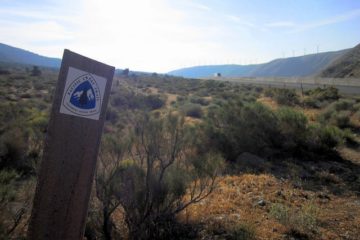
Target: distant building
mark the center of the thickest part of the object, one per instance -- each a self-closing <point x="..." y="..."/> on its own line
<point x="217" y="74"/>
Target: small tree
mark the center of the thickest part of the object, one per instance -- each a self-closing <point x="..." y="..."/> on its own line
<point x="112" y="155"/>
<point x="125" y="72"/>
<point x="161" y="175"/>
<point x="36" y="71"/>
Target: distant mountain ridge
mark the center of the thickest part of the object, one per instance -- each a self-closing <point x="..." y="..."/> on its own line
<point x="9" y="54"/>
<point x="346" y="66"/>
<point x="302" y="66"/>
<point x="343" y="63"/>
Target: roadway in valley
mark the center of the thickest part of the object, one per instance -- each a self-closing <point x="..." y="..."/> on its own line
<point x="348" y="86"/>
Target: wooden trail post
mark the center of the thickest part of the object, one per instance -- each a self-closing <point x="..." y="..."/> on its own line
<point x="71" y="147"/>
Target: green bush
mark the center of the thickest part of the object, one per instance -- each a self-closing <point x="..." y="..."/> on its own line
<point x="242" y="232"/>
<point x="7" y="189"/>
<point x="199" y="100"/>
<point x="36" y="71"/>
<point x="7" y="196"/>
<point x="192" y="110"/>
<point x="126" y="99"/>
<point x="293" y="127"/>
<point x="269" y="92"/>
<point x="342" y="119"/>
<point x="237" y="127"/>
<point x="112" y="115"/>
<point x="312" y="102"/>
<point x="303" y="220"/>
<point x="344" y="104"/>
<point x="154" y="102"/>
<point x="324" y="137"/>
<point x="286" y="96"/>
<point x="151" y="181"/>
<point x="337" y="114"/>
<point x="13" y="150"/>
<point x="321" y="94"/>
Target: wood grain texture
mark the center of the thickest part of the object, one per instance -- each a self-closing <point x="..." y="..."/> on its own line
<point x="69" y="160"/>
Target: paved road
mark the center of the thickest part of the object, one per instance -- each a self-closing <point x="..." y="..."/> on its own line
<point x="345" y="86"/>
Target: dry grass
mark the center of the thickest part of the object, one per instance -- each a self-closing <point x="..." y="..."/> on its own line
<point x="236" y="201"/>
<point x="350" y="154"/>
<point x="268" y="101"/>
<point x="310" y="113"/>
<point x="170" y="98"/>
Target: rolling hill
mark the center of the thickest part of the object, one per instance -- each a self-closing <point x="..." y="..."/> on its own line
<point x="343" y="63"/>
<point x="346" y="66"/>
<point x="9" y="54"/>
<point x="285" y="67"/>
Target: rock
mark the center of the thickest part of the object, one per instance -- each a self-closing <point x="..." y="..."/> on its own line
<point x="261" y="203"/>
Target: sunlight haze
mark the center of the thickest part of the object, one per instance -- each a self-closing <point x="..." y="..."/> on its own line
<point x="163" y="35"/>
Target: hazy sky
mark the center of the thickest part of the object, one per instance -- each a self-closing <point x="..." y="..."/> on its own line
<point x="162" y="35"/>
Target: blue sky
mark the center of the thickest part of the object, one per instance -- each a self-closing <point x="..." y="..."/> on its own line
<point x="162" y="35"/>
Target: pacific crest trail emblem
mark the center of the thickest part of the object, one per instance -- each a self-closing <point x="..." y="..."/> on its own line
<point x="82" y="96"/>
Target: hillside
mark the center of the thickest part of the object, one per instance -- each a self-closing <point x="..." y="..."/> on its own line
<point x="9" y="54"/>
<point x="346" y="66"/>
<point x="209" y="71"/>
<point x="297" y="66"/>
<point x="286" y="67"/>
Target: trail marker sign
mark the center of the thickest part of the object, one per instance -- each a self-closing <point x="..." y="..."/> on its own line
<point x="83" y="94"/>
<point x="71" y="147"/>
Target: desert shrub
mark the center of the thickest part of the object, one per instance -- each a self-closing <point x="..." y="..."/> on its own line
<point x="36" y="71"/>
<point x="356" y="107"/>
<point x="237" y="127"/>
<point x="293" y="127"/>
<point x="259" y="89"/>
<point x="181" y="98"/>
<point x="39" y="85"/>
<point x="154" y="102"/>
<point x="321" y="94"/>
<point x="286" y="96"/>
<point x="331" y="136"/>
<point x="126" y="99"/>
<point x="242" y="232"/>
<point x="344" y="104"/>
<point x="7" y="195"/>
<point x="12" y="218"/>
<point x="326" y="115"/>
<point x="7" y="190"/>
<point x="312" y="102"/>
<point x="4" y="72"/>
<point x="240" y="127"/>
<point x="269" y="92"/>
<point x="324" y="137"/>
<point x="320" y="97"/>
<point x="112" y="115"/>
<point x="149" y="174"/>
<point x="192" y="110"/>
<point x="280" y="212"/>
<point x="25" y="95"/>
<point x="357" y="114"/>
<point x="336" y="114"/>
<point x="342" y="119"/>
<point x="303" y="220"/>
<point x="199" y="100"/>
<point x="12" y="150"/>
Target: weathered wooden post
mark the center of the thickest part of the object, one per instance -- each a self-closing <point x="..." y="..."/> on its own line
<point x="71" y="147"/>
